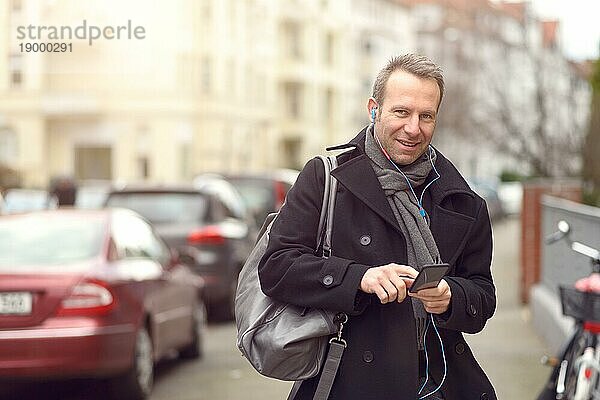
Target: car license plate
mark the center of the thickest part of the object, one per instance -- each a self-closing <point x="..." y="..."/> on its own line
<point x="15" y="303"/>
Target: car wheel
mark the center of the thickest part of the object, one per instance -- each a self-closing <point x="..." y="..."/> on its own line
<point x="136" y="384"/>
<point x="195" y="349"/>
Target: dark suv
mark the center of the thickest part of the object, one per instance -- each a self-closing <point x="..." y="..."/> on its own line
<point x="212" y="235"/>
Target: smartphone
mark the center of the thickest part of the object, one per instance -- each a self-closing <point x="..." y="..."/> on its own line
<point x="429" y="276"/>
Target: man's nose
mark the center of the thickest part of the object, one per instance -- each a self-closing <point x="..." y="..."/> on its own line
<point x="412" y="125"/>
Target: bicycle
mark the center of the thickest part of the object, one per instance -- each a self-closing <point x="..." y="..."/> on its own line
<point x="576" y="371"/>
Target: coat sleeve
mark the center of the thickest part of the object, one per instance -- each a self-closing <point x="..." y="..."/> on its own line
<point x="290" y="271"/>
<point x="473" y="292"/>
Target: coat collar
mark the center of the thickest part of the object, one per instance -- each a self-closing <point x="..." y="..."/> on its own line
<point x="450" y="182"/>
<point x="357" y="176"/>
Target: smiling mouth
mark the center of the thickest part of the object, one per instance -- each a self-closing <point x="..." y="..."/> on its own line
<point x="407" y="144"/>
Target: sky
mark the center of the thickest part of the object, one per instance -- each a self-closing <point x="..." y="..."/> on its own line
<point x="580" y="25"/>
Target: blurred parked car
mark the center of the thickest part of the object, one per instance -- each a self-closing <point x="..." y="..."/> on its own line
<point x="490" y="195"/>
<point x="264" y="193"/>
<point x="93" y="294"/>
<point x="511" y="196"/>
<point x="220" y="187"/>
<point x="24" y="200"/>
<point x="215" y="237"/>
<point x="92" y="194"/>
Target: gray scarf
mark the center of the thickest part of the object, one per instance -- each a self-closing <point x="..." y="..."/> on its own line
<point x="420" y="244"/>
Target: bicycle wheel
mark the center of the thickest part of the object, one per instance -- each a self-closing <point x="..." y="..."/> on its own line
<point x="555" y="386"/>
<point x="572" y="391"/>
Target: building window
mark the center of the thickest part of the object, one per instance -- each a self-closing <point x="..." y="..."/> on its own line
<point x="9" y="147"/>
<point x="205" y="75"/>
<point x="16" y="5"/>
<point x="93" y="163"/>
<point x="206" y="12"/>
<point x="329" y="105"/>
<point x="230" y="79"/>
<point x="186" y="160"/>
<point x="15" y="66"/>
<point x="367" y="47"/>
<point x="292" y="40"/>
<point x="184" y="135"/>
<point x="291" y="149"/>
<point x="292" y="94"/>
<point x="143" y="167"/>
<point x="329" y="49"/>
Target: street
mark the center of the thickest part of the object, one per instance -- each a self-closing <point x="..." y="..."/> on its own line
<point x="507" y="349"/>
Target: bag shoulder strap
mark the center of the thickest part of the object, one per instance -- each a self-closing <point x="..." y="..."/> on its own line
<point x="328" y="205"/>
<point x="326" y="215"/>
<point x="336" y="347"/>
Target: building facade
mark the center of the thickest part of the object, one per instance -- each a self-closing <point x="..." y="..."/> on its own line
<point x="250" y="85"/>
<point x="214" y="85"/>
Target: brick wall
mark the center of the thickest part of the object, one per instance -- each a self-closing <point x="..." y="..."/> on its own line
<point x="531" y="216"/>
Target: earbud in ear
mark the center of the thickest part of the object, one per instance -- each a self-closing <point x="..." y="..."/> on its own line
<point x="373" y="112"/>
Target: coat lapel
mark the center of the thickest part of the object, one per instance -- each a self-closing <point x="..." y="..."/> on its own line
<point x="449" y="227"/>
<point x="358" y="177"/>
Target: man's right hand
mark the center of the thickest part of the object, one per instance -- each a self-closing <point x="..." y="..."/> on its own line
<point x="386" y="281"/>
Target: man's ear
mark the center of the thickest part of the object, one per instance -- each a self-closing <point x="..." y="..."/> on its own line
<point x="372" y="108"/>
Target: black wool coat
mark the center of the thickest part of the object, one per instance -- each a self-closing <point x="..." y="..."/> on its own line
<point x="381" y="360"/>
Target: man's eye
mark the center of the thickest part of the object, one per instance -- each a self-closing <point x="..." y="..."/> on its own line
<point x="426" y="116"/>
<point x="401" y="113"/>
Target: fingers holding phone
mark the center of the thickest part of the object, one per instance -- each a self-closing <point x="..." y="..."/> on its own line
<point x="436" y="300"/>
<point x="430" y="287"/>
<point x="386" y="282"/>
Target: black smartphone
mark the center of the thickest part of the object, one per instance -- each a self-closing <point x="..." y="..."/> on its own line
<point x="429" y="277"/>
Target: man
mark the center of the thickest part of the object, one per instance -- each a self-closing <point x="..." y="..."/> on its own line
<point x="400" y="205"/>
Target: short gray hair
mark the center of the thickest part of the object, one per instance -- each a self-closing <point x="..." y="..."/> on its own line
<point x="414" y="64"/>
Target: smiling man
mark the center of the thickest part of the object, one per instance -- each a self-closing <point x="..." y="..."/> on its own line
<point x="401" y="206"/>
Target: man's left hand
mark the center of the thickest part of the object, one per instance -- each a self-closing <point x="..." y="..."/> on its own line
<point x="436" y="300"/>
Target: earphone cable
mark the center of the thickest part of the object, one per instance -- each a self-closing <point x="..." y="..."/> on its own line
<point x="427" y="362"/>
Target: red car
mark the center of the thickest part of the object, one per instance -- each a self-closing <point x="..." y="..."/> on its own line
<point x="93" y="294"/>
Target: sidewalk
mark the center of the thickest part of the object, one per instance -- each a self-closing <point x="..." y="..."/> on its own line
<point x="508" y="349"/>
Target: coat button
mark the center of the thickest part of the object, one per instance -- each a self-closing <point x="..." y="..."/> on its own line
<point x="365" y="240"/>
<point x="459" y="348"/>
<point x="484" y="396"/>
<point x="368" y="356"/>
<point x="473" y="310"/>
<point x="327" y="280"/>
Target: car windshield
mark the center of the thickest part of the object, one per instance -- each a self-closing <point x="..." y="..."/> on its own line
<point x="163" y="207"/>
<point x="45" y="240"/>
<point x="20" y="201"/>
